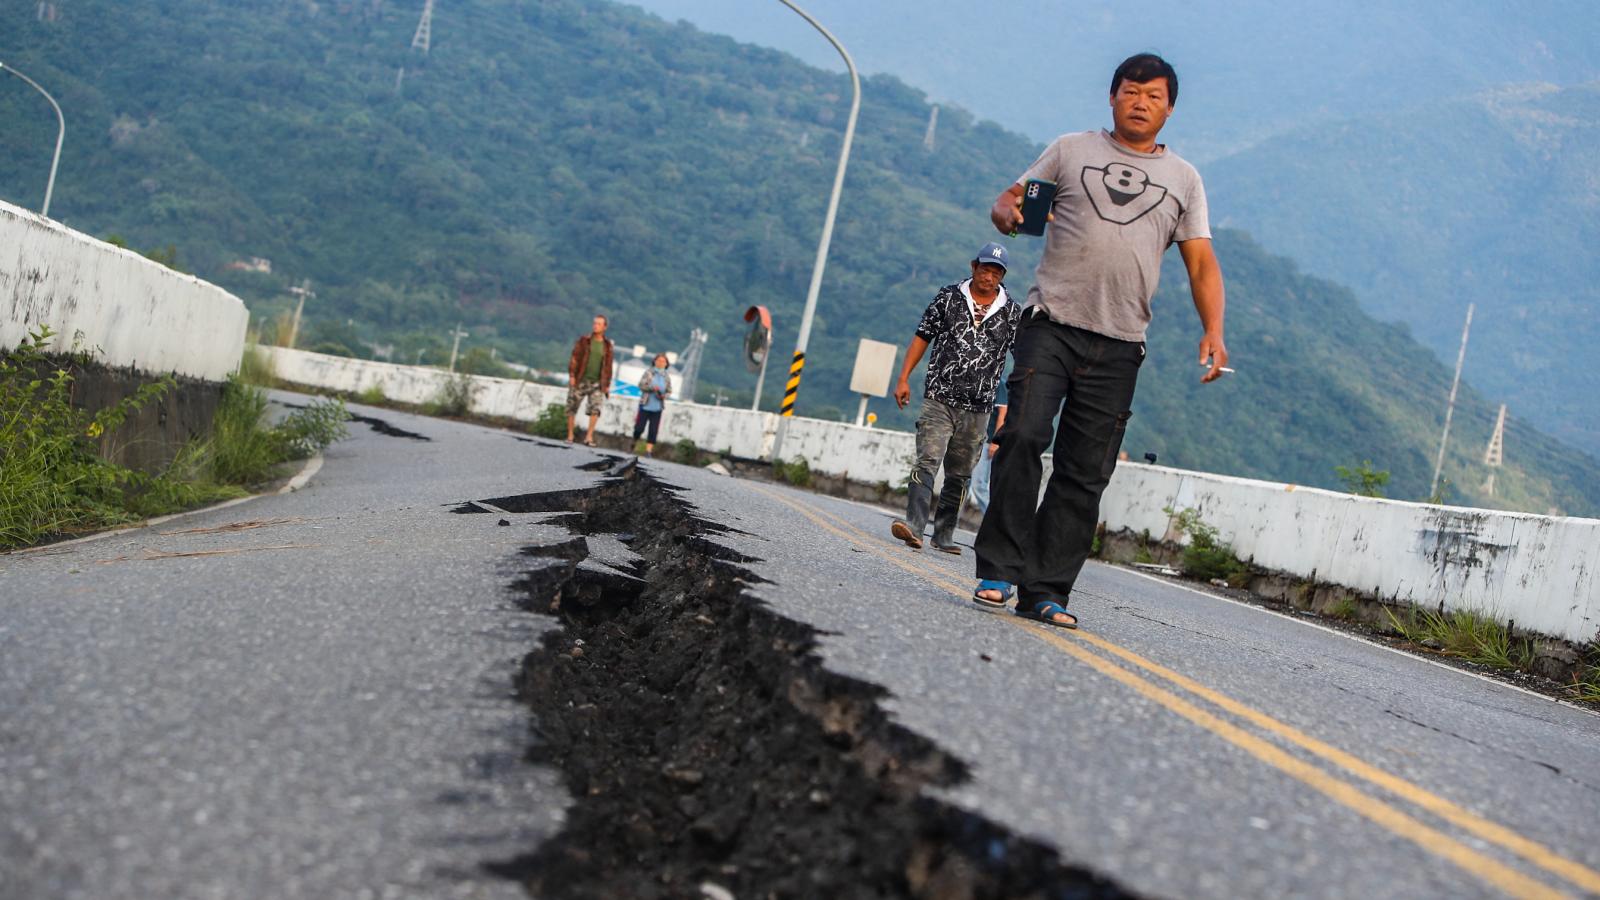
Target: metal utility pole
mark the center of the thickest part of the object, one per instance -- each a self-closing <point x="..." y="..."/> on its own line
<point x="61" y="133"/>
<point x="755" y="404"/>
<point x="1449" y="410"/>
<point x="455" y="346"/>
<point x="1494" y="454"/>
<point x="303" y="290"/>
<point x="798" y="364"/>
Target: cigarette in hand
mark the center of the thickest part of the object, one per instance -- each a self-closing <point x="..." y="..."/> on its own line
<point x="1206" y="365"/>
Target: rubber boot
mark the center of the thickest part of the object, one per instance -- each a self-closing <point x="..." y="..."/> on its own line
<point x="944" y="523"/>
<point x="919" y="501"/>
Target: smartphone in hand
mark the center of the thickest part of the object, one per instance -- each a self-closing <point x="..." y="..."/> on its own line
<point x="1037" y="197"/>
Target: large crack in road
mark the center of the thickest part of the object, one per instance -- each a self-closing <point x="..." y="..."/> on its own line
<point x="709" y="752"/>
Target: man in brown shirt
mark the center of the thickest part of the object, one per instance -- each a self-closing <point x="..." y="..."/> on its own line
<point x="589" y="377"/>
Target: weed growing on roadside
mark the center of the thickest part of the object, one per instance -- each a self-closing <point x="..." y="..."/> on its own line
<point x="306" y="431"/>
<point x="1586" y="682"/>
<point x="1467" y="634"/>
<point x="256" y="367"/>
<point x="455" y="398"/>
<point x="53" y="480"/>
<point x="372" y="395"/>
<point x="1205" y="556"/>
<point x="244" y="451"/>
<point x="185" y="483"/>
<point x="796" y="471"/>
<point x="552" y="423"/>
<point x="1345" y="608"/>
<point x="685" y="451"/>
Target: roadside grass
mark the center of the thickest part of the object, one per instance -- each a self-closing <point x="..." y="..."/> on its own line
<point x="244" y="450"/>
<point x="372" y="395"/>
<point x="552" y="423"/>
<point x="796" y="471"/>
<point x="1466" y="634"/>
<point x="1345" y="608"/>
<point x="256" y="367"/>
<point x="1205" y="556"/>
<point x="1586" y="683"/>
<point x="454" y="398"/>
<point x="54" y="481"/>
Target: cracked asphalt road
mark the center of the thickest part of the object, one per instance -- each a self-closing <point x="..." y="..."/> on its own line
<point x="308" y="695"/>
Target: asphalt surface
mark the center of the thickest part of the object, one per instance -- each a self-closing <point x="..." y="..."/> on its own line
<point x="318" y="704"/>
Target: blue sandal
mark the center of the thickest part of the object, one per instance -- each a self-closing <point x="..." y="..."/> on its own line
<point x="1046" y="611"/>
<point x="1004" y="587"/>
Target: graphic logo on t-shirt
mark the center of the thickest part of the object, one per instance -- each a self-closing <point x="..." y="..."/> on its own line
<point x="1121" y="193"/>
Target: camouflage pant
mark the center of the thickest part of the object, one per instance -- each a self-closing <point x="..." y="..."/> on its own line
<point x="585" y="390"/>
<point x="949" y="435"/>
<point x="954" y="437"/>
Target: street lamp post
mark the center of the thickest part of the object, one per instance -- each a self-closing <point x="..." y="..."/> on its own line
<point x="795" y="367"/>
<point x="61" y="132"/>
<point x="455" y="347"/>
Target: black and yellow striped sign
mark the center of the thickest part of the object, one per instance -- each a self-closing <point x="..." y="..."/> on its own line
<point x="793" y="387"/>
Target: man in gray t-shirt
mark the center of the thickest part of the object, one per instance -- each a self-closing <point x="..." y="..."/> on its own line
<point x="1121" y="200"/>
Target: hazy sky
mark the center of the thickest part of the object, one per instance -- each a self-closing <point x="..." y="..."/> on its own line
<point x="1247" y="69"/>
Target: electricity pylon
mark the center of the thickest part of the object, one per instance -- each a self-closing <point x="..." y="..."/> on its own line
<point x="422" y="38"/>
<point x="1494" y="455"/>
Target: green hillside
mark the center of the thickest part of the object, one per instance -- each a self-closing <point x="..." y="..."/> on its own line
<point x="547" y="160"/>
<point x="1491" y="200"/>
<point x="1322" y="384"/>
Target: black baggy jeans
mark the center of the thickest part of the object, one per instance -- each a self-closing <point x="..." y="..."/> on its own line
<point x="1040" y="545"/>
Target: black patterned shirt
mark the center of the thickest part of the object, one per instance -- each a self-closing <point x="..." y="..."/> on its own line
<point x="965" y="359"/>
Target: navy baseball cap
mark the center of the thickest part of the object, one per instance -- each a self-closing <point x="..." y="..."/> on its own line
<point x="994" y="253"/>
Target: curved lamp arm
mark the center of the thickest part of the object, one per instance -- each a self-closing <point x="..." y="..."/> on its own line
<point x="61" y="133"/>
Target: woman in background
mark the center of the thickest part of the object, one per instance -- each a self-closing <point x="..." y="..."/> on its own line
<point x="654" y="388"/>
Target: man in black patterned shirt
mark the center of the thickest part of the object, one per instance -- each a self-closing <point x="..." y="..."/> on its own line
<point x="970" y="325"/>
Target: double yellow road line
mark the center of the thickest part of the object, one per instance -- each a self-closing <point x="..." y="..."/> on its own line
<point x="1153" y="680"/>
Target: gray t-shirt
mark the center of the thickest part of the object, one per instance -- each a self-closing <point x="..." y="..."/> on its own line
<point x="1116" y="212"/>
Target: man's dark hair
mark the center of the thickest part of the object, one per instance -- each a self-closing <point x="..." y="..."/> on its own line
<point x="604" y="318"/>
<point x="1142" y="67"/>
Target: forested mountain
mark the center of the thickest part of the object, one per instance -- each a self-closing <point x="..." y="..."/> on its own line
<point x="1428" y="154"/>
<point x="1249" y="68"/>
<point x="545" y="160"/>
<point x="1491" y="200"/>
<point x="1322" y="384"/>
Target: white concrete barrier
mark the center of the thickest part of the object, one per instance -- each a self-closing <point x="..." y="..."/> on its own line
<point x="1541" y="572"/>
<point x="138" y="314"/>
<point x="867" y="455"/>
